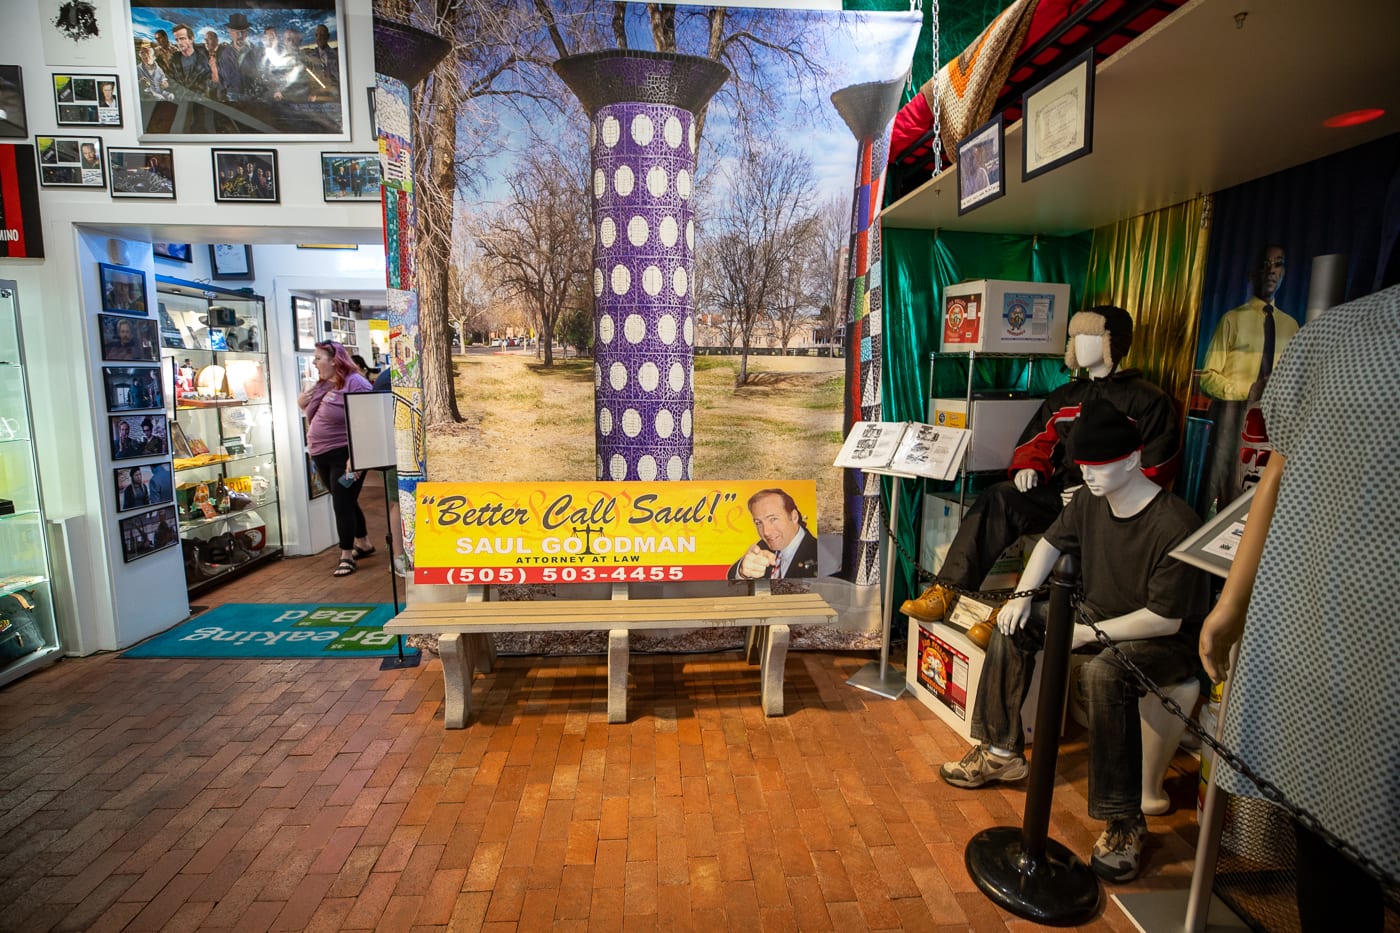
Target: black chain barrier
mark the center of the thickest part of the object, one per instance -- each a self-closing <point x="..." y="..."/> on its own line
<point x="1267" y="788"/>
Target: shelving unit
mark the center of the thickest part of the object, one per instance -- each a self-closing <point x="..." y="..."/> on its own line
<point x="219" y="399"/>
<point x="25" y="569"/>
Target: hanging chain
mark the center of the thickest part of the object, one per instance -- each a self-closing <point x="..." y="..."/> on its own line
<point x="933" y="95"/>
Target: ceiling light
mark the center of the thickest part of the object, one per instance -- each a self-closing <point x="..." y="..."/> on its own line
<point x="1354" y="118"/>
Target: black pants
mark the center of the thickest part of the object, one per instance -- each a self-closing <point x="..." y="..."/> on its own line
<point x="345" y="500"/>
<point x="1001" y="514"/>
<point x="1333" y="891"/>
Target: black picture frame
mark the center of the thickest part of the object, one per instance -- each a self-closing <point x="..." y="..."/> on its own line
<point x="350" y="176"/>
<point x="149" y="532"/>
<point x="123" y="289"/>
<point x="982" y="165"/>
<point x="304" y="324"/>
<point x="14" y="123"/>
<point x="141" y="343"/>
<point x="141" y="173"/>
<point x="1057" y="118"/>
<point x="87" y="100"/>
<point x="134" y="443"/>
<point x="315" y="489"/>
<point x="150" y="486"/>
<point x="180" y="442"/>
<point x="133" y="388"/>
<point x="373" y="112"/>
<point x="232" y="168"/>
<point x="180" y="252"/>
<point x="70" y="161"/>
<point x="230" y="261"/>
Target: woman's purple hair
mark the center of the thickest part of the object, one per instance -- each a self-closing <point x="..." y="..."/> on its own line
<point x="344" y="366"/>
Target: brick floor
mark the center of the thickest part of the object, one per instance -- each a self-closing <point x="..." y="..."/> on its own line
<point x="326" y="795"/>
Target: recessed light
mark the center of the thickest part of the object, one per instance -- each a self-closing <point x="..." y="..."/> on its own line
<point x="1354" y="118"/>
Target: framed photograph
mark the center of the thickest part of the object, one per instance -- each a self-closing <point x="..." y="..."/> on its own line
<point x="13" y="123"/>
<point x="304" y="321"/>
<point x="180" y="252"/>
<point x="19" y="203"/>
<point x="148" y="532"/>
<point x="142" y="173"/>
<point x="132" y="388"/>
<point x="127" y="339"/>
<point x="281" y="70"/>
<point x="144" y="485"/>
<point x="1058" y="117"/>
<point x="230" y="261"/>
<point x="350" y="176"/>
<point x="136" y="436"/>
<point x="373" y="122"/>
<point x="179" y="443"/>
<point x="315" y="489"/>
<point x="87" y="100"/>
<point x="70" y="162"/>
<point x="981" y="177"/>
<point x="123" y="289"/>
<point x="246" y="175"/>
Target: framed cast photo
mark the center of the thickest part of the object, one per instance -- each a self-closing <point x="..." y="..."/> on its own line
<point x="180" y="252"/>
<point x="135" y="436"/>
<point x="128" y="339"/>
<point x="1058" y="118"/>
<point x="132" y="388"/>
<point x="148" y="532"/>
<point x="281" y="70"/>
<point x="87" y="100"/>
<point x="304" y="319"/>
<point x="141" y="486"/>
<point x="141" y="173"/>
<point x="70" y="162"/>
<point x="230" y="261"/>
<point x="13" y="123"/>
<point x="350" y="176"/>
<point x="179" y="443"/>
<point x="981" y="175"/>
<point x="123" y="289"/>
<point x="246" y="175"/>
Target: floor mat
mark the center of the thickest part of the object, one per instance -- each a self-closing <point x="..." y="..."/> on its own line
<point x="278" y="630"/>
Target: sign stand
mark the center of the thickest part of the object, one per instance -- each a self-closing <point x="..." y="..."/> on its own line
<point x="369" y="425"/>
<point x="880" y="677"/>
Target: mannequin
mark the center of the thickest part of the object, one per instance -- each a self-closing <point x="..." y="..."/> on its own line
<point x="1124" y="527"/>
<point x="1041" y="475"/>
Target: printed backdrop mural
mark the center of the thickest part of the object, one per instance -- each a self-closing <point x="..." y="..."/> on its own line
<point x="633" y="240"/>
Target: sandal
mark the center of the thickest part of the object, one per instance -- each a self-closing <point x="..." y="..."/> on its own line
<point x="364" y="551"/>
<point x="345" y="567"/>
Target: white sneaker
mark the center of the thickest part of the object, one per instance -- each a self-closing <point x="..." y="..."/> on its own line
<point x="402" y="566"/>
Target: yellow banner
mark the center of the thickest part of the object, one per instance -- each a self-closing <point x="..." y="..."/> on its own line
<point x="614" y="532"/>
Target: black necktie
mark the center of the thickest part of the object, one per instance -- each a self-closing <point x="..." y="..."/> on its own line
<point x="1266" y="363"/>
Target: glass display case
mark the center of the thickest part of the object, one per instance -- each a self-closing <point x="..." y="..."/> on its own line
<point x="28" y="629"/>
<point x="214" y="363"/>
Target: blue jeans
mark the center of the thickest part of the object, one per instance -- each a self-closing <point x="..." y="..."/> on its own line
<point x="1110" y="696"/>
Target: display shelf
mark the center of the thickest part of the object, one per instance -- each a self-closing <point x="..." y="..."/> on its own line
<point x="19" y="513"/>
<point x="17" y="440"/>
<point x="221" y="334"/>
<point x="23" y="583"/>
<point x="232" y="570"/>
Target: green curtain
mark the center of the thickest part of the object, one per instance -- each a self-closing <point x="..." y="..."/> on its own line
<point x="917" y="266"/>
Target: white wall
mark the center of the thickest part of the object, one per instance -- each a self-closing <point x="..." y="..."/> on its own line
<point x="57" y="299"/>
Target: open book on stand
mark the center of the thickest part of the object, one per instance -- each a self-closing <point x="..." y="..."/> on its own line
<point x="904" y="448"/>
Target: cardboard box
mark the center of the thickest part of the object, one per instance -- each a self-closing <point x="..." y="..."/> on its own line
<point x="943" y="669"/>
<point x="998" y="316"/>
<point x="996" y="424"/>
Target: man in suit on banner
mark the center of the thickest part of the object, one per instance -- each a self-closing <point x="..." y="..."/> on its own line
<point x="785" y="548"/>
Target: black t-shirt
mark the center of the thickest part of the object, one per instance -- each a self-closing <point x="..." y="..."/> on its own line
<point x="1125" y="562"/>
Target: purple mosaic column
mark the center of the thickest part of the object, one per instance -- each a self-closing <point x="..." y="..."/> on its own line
<point x="642" y="107"/>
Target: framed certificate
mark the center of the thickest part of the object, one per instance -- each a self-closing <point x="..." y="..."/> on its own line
<point x="1058" y="118"/>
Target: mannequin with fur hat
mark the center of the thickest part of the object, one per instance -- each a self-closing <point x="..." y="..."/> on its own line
<point x="1041" y="472"/>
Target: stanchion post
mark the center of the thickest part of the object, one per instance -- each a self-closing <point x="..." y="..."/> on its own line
<point x="1022" y="870"/>
<point x="878" y="676"/>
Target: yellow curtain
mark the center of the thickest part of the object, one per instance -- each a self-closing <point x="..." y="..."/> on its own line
<point x="1153" y="266"/>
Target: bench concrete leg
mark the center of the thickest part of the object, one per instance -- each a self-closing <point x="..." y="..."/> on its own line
<point x="774" y="660"/>
<point x="617" y="675"/>
<point x="484" y="652"/>
<point x="456" y="680"/>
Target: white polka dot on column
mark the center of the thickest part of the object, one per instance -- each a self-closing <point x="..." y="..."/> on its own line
<point x="689" y="328"/>
<point x="680" y="281"/>
<point x="617" y="467"/>
<point x="673" y="468"/>
<point x="597" y="283"/>
<point x="621" y="279"/>
<point x="598" y="465"/>
<point x="668" y="232"/>
<point x="666" y="329"/>
<point x="690" y="234"/>
<point x="642" y="130"/>
<point x="617" y="377"/>
<point x="605" y="421"/>
<point x="648" y="376"/>
<point x="676" y="377"/>
<point x="646" y="468"/>
<point x="691" y="135"/>
<point x="683" y="184"/>
<point x="631" y="422"/>
<point x="657" y="181"/>
<point x="673" y="132"/>
<point x="637" y="230"/>
<point x="612" y="131"/>
<point x="665" y="423"/>
<point x="600" y="183"/>
<point x="685" y="424"/>
<point x="634" y="328"/>
<point x="623" y="180"/>
<point x="607" y="232"/>
<point x="652" y="280"/>
<point x="606" y="328"/>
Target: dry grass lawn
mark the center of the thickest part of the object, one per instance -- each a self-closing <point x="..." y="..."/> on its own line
<point x="526" y="423"/>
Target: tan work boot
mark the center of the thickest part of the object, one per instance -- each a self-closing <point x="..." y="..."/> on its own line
<point x="931" y="606"/>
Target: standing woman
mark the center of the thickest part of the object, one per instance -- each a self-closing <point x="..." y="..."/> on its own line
<point x="328" y="442"/>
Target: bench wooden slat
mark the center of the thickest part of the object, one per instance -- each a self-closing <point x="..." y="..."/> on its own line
<point x="602" y="614"/>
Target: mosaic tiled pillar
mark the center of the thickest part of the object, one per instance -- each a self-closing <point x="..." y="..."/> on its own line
<point x="867" y="110"/>
<point x="642" y="139"/>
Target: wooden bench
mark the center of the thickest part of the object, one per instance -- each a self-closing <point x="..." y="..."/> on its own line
<point x="465" y="629"/>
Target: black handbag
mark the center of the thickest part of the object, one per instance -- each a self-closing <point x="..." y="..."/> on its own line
<point x="19" y="630"/>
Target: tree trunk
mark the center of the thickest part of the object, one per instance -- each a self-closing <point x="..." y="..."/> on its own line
<point x="434" y="251"/>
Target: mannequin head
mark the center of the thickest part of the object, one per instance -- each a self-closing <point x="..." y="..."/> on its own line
<point x="1088" y="353"/>
<point x="1112" y="326"/>
<point x="1105" y="479"/>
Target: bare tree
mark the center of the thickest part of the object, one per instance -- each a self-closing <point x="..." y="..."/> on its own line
<point x="539" y="246"/>
<point x="756" y="238"/>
